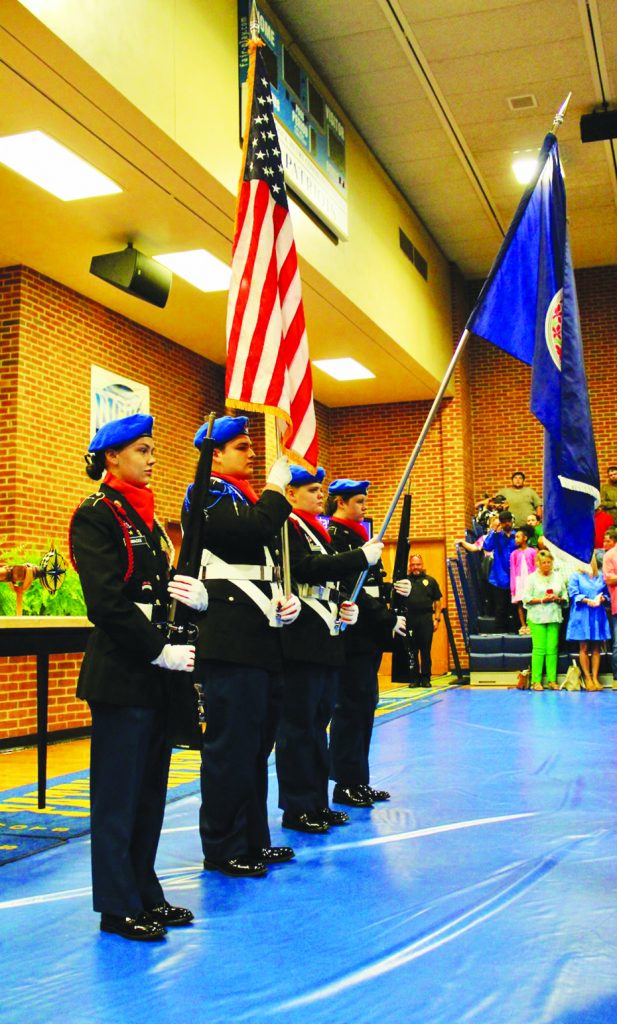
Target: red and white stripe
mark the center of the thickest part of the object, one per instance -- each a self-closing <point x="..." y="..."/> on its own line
<point x="268" y="366"/>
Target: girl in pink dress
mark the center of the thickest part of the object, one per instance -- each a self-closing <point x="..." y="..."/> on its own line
<point x="522" y="564"/>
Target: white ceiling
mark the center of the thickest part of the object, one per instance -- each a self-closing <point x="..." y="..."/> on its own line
<point x="437" y="119"/>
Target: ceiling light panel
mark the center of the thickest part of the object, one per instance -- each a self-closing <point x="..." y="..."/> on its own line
<point x="199" y="267"/>
<point x="343" y="369"/>
<point x="53" y="167"/>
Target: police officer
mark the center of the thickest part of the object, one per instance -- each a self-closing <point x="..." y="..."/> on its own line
<point x="314" y="651"/>
<point x="358" y="688"/>
<point x="123" y="557"/>
<point x="423" y="614"/>
<point x="239" y="652"/>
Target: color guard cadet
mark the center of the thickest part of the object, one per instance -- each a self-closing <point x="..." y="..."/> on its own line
<point x="239" y="651"/>
<point x="358" y="689"/>
<point x="123" y="557"/>
<point x="314" y="651"/>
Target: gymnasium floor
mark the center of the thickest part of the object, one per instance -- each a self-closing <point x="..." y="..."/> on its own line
<point x="484" y="892"/>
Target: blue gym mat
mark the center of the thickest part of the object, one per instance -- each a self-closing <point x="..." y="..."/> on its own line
<point x="483" y="892"/>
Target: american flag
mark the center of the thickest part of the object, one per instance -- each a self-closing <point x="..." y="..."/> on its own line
<point x="268" y="366"/>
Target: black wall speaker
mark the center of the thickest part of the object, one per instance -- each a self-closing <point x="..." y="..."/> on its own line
<point x="599" y="126"/>
<point x="134" y="273"/>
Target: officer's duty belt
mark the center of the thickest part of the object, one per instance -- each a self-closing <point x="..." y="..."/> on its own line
<point x="325" y="593"/>
<point x="265" y="573"/>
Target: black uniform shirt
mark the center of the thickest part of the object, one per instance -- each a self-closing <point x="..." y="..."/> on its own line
<point x="424" y="591"/>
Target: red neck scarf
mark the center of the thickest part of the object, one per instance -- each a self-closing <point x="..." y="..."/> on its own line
<point x="314" y="524"/>
<point x="356" y="527"/>
<point x="141" y="498"/>
<point x="241" y="485"/>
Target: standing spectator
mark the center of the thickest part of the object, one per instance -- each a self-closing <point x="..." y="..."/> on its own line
<point x="544" y="596"/>
<point x="609" y="569"/>
<point x="501" y="542"/>
<point x="522" y="564"/>
<point x="608" y="493"/>
<point x="423" y="615"/>
<point x="588" y="622"/>
<point x="602" y="522"/>
<point x="521" y="499"/>
<point x="538" y="530"/>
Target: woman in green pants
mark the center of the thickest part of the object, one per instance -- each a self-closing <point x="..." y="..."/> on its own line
<point x="545" y="594"/>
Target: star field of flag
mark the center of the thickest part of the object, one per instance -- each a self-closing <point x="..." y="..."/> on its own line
<point x="263" y="158"/>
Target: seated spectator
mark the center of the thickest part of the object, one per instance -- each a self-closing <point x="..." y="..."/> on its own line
<point x="522" y="564"/>
<point x="501" y="542"/>
<point x="608" y="493"/>
<point x="521" y="499"/>
<point x="545" y="594"/>
<point x="589" y="598"/>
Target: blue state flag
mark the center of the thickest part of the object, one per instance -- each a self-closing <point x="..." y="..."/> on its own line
<point x="528" y="307"/>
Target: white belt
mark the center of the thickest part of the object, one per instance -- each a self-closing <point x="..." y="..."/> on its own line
<point x="145" y="608"/>
<point x="327" y="613"/>
<point x="227" y="571"/>
<point x="371" y="591"/>
<point x="328" y="592"/>
<point x="214" y="567"/>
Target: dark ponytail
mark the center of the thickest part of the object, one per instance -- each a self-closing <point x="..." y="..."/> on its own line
<point x="95" y="464"/>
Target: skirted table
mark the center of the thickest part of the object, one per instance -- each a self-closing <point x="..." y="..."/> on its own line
<point x="42" y="635"/>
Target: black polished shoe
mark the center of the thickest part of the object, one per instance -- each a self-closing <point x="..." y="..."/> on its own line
<point x="276" y="854"/>
<point x="376" y="795"/>
<point x="170" y="917"/>
<point x="353" y="796"/>
<point x="238" y="867"/>
<point x="425" y="684"/>
<point x="310" y="823"/>
<point x="141" y="927"/>
<point x="334" y="817"/>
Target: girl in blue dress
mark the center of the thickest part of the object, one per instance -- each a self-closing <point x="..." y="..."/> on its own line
<point x="588" y="623"/>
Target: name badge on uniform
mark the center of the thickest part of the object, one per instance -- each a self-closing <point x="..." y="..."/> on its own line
<point x="137" y="539"/>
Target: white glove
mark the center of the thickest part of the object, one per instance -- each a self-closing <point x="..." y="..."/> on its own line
<point x="401" y="626"/>
<point x="177" y="658"/>
<point x="403" y="587"/>
<point x="288" y="609"/>
<point x="372" y="551"/>
<point x="348" y="613"/>
<point x="280" y="473"/>
<point x="189" y="591"/>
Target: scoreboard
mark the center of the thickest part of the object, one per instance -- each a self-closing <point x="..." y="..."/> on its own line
<point x="311" y="135"/>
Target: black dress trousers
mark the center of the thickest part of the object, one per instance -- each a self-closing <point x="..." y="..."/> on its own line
<point x="129" y="765"/>
<point x="352" y="722"/>
<point x="302" y="740"/>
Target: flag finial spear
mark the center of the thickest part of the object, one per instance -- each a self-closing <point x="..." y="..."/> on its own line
<point x="561" y="113"/>
<point x="254" y="23"/>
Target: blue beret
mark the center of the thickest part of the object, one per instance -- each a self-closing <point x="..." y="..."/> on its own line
<point x="345" y="488"/>
<point x="119" y="432"/>
<point x="225" y="429"/>
<point x="301" y="476"/>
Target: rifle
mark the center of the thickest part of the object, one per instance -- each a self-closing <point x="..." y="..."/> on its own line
<point x="402" y="656"/>
<point x="186" y="705"/>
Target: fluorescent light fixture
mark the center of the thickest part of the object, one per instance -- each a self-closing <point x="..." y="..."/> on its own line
<point x="525" y="166"/>
<point x="343" y="369"/>
<point x="199" y="268"/>
<point x="54" y="167"/>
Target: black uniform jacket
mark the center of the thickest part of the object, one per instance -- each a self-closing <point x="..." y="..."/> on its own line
<point x="234" y="628"/>
<point x="308" y="638"/>
<point x="373" y="630"/>
<point x="117" y="665"/>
